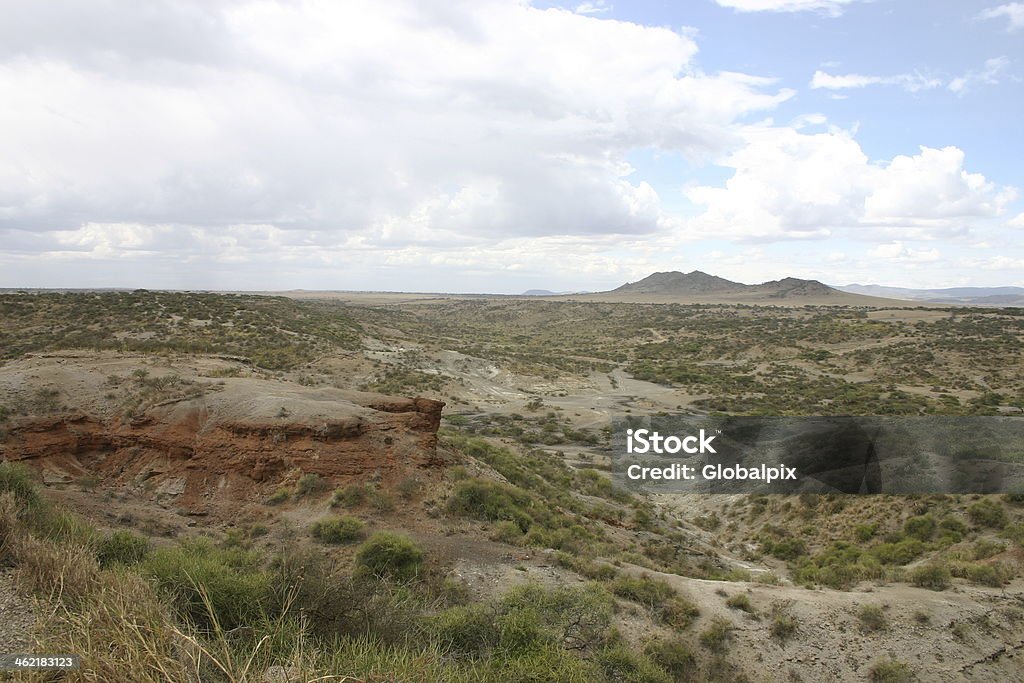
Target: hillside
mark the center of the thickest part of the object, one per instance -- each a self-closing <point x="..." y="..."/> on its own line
<point x="974" y="296"/>
<point x="700" y="287"/>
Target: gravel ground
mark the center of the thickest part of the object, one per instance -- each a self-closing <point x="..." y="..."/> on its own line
<point x="16" y="616"/>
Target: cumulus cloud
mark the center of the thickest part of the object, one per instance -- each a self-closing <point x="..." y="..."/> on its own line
<point x="418" y="121"/>
<point x="790" y="184"/>
<point x="428" y="145"/>
<point x="833" y="7"/>
<point x="1013" y="12"/>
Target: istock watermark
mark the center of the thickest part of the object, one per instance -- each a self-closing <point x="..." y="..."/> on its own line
<point x="856" y="455"/>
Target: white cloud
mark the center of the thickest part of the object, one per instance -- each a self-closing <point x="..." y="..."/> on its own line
<point x="787" y="184"/>
<point x="1017" y="222"/>
<point x="911" y="82"/>
<point x="987" y="75"/>
<point x="1013" y="11"/>
<point x="833" y="7"/>
<point x="596" y="7"/>
<point x="418" y="122"/>
<point x="1007" y="263"/>
<point x="900" y="253"/>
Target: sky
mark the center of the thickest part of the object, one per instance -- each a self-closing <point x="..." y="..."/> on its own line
<point x="503" y="145"/>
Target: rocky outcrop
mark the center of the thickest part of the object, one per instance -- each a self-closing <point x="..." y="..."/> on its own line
<point x="238" y="443"/>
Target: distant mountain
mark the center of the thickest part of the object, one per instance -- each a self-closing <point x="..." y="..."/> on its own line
<point x="674" y="282"/>
<point x="702" y="284"/>
<point x="977" y="296"/>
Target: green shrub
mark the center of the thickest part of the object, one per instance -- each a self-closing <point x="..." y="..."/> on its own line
<point x="678" y="613"/>
<point x="717" y="635"/>
<point x="19" y="480"/>
<point x="196" y="571"/>
<point x="528" y="620"/>
<point x="279" y="496"/>
<point x="787" y="549"/>
<point x="898" y="553"/>
<point x="379" y="499"/>
<point x="390" y="556"/>
<point x="63" y="526"/>
<point x="309" y="484"/>
<point x="338" y="530"/>
<point x="1015" y="532"/>
<point x="872" y="618"/>
<point x="349" y="497"/>
<point x="674" y="656"/>
<point x="491" y="501"/>
<point x="740" y="601"/>
<point x="987" y="512"/>
<point x="466" y="630"/>
<point x="935" y="577"/>
<point x="985" y="548"/>
<point x="618" y="663"/>
<point x="995" y="575"/>
<point x="784" y="625"/>
<point x="921" y="527"/>
<point x="121" y="547"/>
<point x="650" y="593"/>
<point x="954" y="525"/>
<point x="891" y="671"/>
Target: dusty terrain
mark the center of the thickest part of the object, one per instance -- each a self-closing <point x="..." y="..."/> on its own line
<point x="425" y="393"/>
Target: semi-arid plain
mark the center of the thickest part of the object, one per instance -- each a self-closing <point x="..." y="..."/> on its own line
<point x="388" y="487"/>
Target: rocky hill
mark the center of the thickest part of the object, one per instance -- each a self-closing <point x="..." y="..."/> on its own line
<point x="701" y="287"/>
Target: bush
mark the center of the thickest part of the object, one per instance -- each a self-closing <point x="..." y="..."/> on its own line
<point x="390" y="556"/>
<point x="277" y="497"/>
<point x="528" y="620"/>
<point x="466" y="630"/>
<point x="121" y="547"/>
<point x="196" y="571"/>
<point x="1015" y="532"/>
<point x="995" y="575"/>
<point x="491" y="501"/>
<point x="984" y="549"/>
<point x="716" y="636"/>
<point x="338" y="530"/>
<point x="787" y="549"/>
<point x="19" y="480"/>
<point x="348" y="497"/>
<point x="921" y="527"/>
<point x="674" y="656"/>
<point x="872" y="618"/>
<point x="989" y="513"/>
<point x="678" y="613"/>
<point x="309" y="484"/>
<point x="740" y="601"/>
<point x="619" y="663"/>
<point x="898" y="553"/>
<point x="891" y="671"/>
<point x="784" y="625"/>
<point x="935" y="577"/>
<point x="650" y="593"/>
